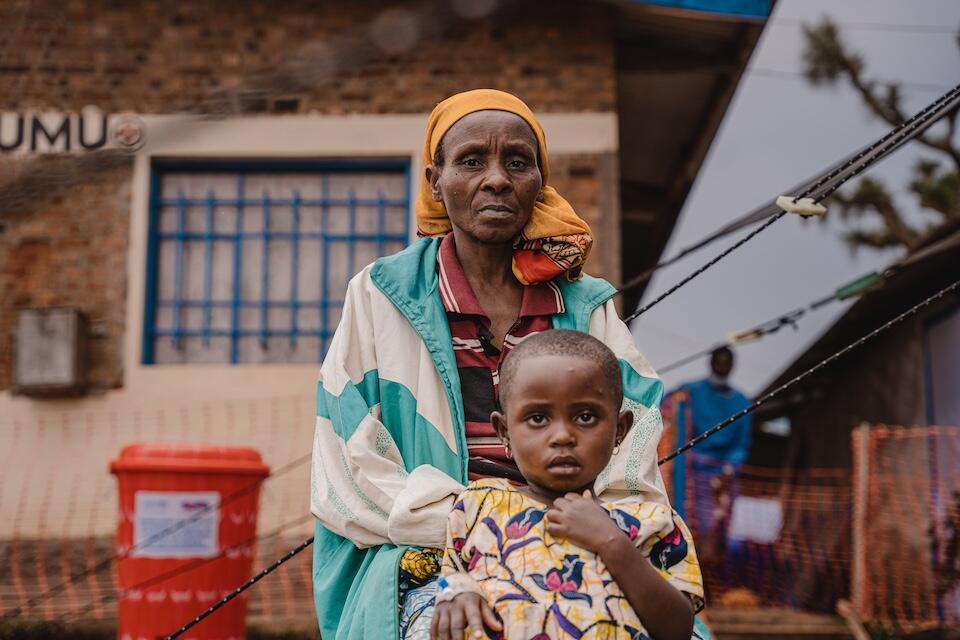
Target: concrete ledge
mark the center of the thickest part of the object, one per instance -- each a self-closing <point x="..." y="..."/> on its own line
<point x="774" y="622"/>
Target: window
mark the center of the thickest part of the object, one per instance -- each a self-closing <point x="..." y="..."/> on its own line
<point x="248" y="263"/>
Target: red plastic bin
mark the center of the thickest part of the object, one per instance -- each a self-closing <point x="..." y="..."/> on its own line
<point x="177" y="566"/>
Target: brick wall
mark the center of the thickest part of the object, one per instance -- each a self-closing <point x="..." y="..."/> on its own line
<point x="153" y="57"/>
<point x="150" y="56"/>
<point x="71" y="251"/>
<point x="585" y="180"/>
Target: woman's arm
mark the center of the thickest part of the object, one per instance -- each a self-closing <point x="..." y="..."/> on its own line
<point x="665" y="612"/>
<point x="461" y="604"/>
<point x="633" y="473"/>
<point x="360" y="487"/>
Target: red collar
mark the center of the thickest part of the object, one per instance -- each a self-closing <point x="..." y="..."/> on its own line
<point x="541" y="299"/>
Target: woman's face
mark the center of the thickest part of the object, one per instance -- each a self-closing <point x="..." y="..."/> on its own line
<point x="489" y="180"/>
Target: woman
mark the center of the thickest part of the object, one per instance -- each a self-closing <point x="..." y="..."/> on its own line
<point x="406" y="390"/>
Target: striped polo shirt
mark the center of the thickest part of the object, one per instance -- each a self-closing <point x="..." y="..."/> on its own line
<point x="478" y="360"/>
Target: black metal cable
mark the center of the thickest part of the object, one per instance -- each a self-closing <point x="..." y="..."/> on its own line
<point x="756" y="215"/>
<point x="786" y="385"/>
<point x="236" y="592"/>
<point x="757" y="332"/>
<point x="704" y="267"/>
<point x="689" y="445"/>
<point x="186" y="568"/>
<point x="833" y="180"/>
<point x="821" y="189"/>
<point x="693" y="357"/>
<point x="788" y="319"/>
<point x="826" y="185"/>
<point x="173" y="528"/>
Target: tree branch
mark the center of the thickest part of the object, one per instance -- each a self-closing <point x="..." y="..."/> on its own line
<point x="895" y="117"/>
<point x="827" y="59"/>
<point x="871" y="197"/>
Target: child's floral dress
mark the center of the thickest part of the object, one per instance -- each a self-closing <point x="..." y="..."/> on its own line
<point x="543" y="587"/>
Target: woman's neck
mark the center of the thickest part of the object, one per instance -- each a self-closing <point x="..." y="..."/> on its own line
<point x="485" y="265"/>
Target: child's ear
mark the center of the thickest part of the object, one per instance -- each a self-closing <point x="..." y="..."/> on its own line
<point x="624" y="423"/>
<point x="499" y="422"/>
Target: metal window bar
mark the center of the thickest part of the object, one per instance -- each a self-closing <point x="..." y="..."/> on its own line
<point x="265" y="271"/>
<point x="283" y="202"/>
<point x="210" y="238"/>
<point x="237" y="297"/>
<point x="325" y="269"/>
<point x="287" y="235"/>
<point x="294" y="268"/>
<point x="243" y="333"/>
<point x="178" y="270"/>
<point x="243" y="304"/>
<point x="352" y="232"/>
<point x="381" y="222"/>
<point x="208" y="270"/>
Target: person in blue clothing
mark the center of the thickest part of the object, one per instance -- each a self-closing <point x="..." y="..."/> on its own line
<point x="699" y="406"/>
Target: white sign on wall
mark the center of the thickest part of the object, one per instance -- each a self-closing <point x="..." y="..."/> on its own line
<point x="156" y="511"/>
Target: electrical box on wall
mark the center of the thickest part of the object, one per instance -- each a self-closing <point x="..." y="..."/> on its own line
<point x="50" y="348"/>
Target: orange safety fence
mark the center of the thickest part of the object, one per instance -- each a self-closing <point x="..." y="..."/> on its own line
<point x="886" y="534"/>
<point x="765" y="536"/>
<point x="59" y="501"/>
<point x="906" y="527"/>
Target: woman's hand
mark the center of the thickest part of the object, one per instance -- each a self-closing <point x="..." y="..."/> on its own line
<point x="466" y="611"/>
<point x="579" y="519"/>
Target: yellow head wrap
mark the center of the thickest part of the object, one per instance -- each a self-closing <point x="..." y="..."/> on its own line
<point x="555" y="240"/>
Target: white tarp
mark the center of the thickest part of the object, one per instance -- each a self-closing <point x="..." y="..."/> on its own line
<point x="755" y="520"/>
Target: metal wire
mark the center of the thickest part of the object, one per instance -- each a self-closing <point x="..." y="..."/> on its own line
<point x="236" y="592"/>
<point x="788" y="319"/>
<point x="833" y="180"/>
<point x="163" y="533"/>
<point x="821" y="189"/>
<point x="744" y="240"/>
<point x="693" y="357"/>
<point x="689" y="445"/>
<point x="806" y="374"/>
<point x="186" y="568"/>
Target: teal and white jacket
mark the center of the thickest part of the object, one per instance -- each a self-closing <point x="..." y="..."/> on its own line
<point x="389" y="452"/>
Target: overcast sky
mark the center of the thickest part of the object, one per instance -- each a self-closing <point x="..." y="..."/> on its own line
<point x="778" y="131"/>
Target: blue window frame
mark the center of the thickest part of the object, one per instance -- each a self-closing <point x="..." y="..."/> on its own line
<point x="248" y="262"/>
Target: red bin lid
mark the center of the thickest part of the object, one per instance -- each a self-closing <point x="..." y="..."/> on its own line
<point x="189" y="458"/>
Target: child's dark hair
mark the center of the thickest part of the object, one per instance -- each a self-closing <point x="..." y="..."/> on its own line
<point x="563" y="342"/>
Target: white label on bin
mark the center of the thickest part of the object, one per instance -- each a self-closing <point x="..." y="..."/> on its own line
<point x="755" y="519"/>
<point x="175" y="524"/>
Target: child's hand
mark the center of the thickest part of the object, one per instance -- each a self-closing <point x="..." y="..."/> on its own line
<point x="579" y="519"/>
<point x="468" y="610"/>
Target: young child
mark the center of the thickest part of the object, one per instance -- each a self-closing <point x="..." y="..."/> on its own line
<point x="548" y="559"/>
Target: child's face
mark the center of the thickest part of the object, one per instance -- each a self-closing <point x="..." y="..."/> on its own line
<point x="561" y="422"/>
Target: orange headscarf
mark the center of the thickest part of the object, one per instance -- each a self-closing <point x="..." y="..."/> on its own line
<point x="555" y="240"/>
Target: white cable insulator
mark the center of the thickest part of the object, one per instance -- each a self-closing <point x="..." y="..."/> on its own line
<point x="803" y="206"/>
<point x="743" y="338"/>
